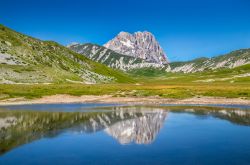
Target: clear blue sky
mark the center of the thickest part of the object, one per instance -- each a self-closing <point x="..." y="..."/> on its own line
<point x="186" y="29"/>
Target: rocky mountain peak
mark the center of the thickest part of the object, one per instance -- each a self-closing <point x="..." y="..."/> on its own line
<point x="140" y="45"/>
<point x="122" y="33"/>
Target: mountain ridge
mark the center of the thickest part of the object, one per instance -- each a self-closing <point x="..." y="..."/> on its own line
<point x="230" y="60"/>
<point x="111" y="58"/>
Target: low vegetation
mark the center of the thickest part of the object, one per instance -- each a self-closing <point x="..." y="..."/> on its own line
<point x="24" y="59"/>
<point x="232" y="83"/>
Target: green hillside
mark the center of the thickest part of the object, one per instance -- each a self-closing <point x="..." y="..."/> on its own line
<point x="24" y="59"/>
<point x="230" y="60"/>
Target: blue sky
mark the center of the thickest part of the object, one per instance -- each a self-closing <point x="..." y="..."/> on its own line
<point x="186" y="29"/>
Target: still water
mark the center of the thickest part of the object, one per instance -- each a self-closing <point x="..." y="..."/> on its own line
<point x="119" y="134"/>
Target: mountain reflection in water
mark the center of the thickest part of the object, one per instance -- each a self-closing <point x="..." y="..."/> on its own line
<point x="139" y="125"/>
<point x="141" y="130"/>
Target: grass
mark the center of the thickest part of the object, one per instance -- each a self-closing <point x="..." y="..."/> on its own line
<point x="168" y="85"/>
<point x="39" y="54"/>
<point x="166" y="91"/>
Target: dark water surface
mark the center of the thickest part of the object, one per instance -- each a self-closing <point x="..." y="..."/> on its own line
<point x="118" y="134"/>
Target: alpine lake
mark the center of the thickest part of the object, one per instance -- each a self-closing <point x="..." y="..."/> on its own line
<point x="124" y="134"/>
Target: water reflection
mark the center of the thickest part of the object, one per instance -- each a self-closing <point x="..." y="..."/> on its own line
<point x="236" y="116"/>
<point x="140" y="130"/>
<point x="139" y="125"/>
<point x="124" y="124"/>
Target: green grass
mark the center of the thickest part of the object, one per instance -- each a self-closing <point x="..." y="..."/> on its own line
<point x="37" y="55"/>
<point x="168" y="85"/>
<point x="147" y="72"/>
<point x="123" y="90"/>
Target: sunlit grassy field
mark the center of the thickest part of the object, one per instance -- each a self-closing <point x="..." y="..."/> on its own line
<point x="123" y="90"/>
<point x="230" y="83"/>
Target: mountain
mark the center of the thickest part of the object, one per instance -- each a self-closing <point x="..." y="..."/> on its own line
<point x="140" y="45"/>
<point x="229" y="61"/>
<point x="24" y="59"/>
<point x="111" y="58"/>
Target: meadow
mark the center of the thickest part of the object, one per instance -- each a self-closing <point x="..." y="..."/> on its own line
<point x="229" y="83"/>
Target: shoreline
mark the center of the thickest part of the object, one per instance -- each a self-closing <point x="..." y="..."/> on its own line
<point x="109" y="99"/>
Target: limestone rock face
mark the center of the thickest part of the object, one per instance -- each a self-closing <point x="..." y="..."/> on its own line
<point x="140" y="45"/>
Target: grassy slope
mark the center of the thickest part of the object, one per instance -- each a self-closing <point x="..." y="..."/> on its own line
<point x="208" y="63"/>
<point x="147" y="72"/>
<point x="170" y="85"/>
<point x="46" y="61"/>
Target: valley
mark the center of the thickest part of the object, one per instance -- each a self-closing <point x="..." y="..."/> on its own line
<point x="31" y="69"/>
